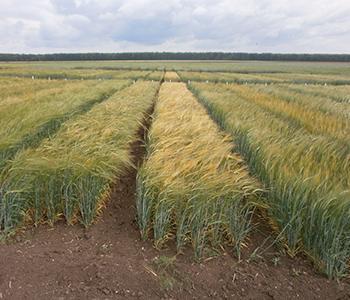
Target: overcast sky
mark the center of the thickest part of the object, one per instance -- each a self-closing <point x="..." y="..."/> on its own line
<point x="41" y="26"/>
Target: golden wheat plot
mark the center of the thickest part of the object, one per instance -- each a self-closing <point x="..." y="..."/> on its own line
<point x="171" y="76"/>
<point x="191" y="185"/>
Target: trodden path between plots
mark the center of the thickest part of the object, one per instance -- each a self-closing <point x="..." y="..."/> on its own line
<point x="109" y="261"/>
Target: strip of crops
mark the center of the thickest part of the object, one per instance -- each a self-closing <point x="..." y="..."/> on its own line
<point x="155" y="75"/>
<point x="305" y="97"/>
<point x="334" y="79"/>
<point x="53" y="74"/>
<point x="231" y="77"/>
<point x="191" y="185"/>
<point x="308" y="176"/>
<point x="135" y="75"/>
<point x="76" y="74"/>
<point x="24" y="122"/>
<point x="244" y="67"/>
<point x="299" y="115"/>
<point x="12" y="88"/>
<point x="224" y="77"/>
<point x="339" y="94"/>
<point x="71" y="174"/>
<point x="171" y="76"/>
<point x="12" y="103"/>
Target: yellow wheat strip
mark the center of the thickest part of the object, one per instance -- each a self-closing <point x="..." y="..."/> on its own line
<point x="191" y="180"/>
<point x="171" y="76"/>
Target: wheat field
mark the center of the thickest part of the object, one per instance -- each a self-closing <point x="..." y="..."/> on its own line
<point x="229" y="146"/>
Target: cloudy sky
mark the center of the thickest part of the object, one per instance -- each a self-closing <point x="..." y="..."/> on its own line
<point x="42" y="26"/>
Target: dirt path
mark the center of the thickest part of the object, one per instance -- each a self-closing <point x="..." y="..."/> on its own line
<point x="108" y="261"/>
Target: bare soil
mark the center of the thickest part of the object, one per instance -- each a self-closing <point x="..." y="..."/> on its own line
<point x="109" y="261"/>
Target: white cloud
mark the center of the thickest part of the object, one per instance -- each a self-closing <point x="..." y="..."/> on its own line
<point x="175" y="25"/>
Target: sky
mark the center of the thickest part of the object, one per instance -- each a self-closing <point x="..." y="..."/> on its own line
<point x="279" y="26"/>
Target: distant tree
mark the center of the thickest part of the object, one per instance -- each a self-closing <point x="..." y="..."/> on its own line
<point x="176" y="56"/>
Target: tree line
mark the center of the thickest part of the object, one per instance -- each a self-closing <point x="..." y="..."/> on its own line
<point x="176" y="56"/>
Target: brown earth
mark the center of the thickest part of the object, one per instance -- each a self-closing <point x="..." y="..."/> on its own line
<point x="109" y="261"/>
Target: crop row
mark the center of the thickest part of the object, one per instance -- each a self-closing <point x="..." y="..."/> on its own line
<point x="76" y="74"/>
<point x="171" y="76"/>
<point x="328" y="100"/>
<point x="26" y="119"/>
<point x="340" y="94"/>
<point x="191" y="185"/>
<point x="298" y="112"/>
<point x="71" y="173"/>
<point x="18" y="87"/>
<point x="256" y="78"/>
<point x="307" y="175"/>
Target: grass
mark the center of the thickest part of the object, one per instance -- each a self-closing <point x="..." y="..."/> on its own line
<point x="71" y="173"/>
<point x="307" y="175"/>
<point x="165" y="269"/>
<point x="191" y="186"/>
